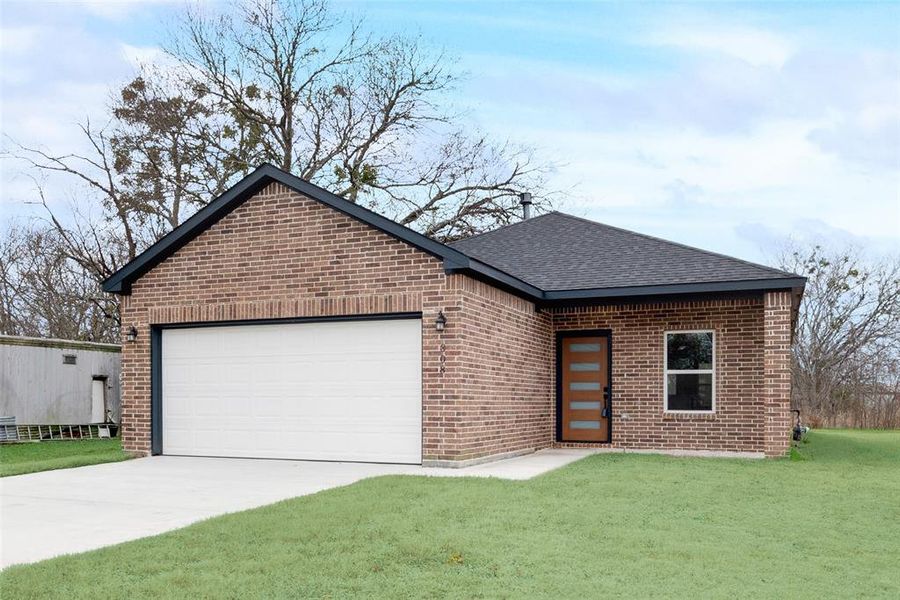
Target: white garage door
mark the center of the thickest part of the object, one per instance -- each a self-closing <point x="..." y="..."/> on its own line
<point x="346" y="390"/>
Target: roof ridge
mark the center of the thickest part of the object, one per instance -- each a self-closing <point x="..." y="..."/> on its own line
<point x="504" y="227"/>
<point x="681" y="245"/>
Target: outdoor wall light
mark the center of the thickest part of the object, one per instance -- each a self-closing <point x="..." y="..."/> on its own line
<point x="440" y="321"/>
<point x="131" y="334"/>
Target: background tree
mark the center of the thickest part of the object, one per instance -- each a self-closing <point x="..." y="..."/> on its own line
<point x="847" y="346"/>
<point x="156" y="162"/>
<point x="291" y="83"/>
<point x="41" y="295"/>
<point x="364" y="117"/>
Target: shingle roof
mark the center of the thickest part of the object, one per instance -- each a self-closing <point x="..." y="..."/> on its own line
<point x="120" y="282"/>
<point x="548" y="259"/>
<point x="556" y="251"/>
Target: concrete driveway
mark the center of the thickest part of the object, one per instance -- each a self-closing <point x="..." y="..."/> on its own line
<point x="73" y="510"/>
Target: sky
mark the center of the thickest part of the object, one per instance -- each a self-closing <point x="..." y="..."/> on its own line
<point x="730" y="127"/>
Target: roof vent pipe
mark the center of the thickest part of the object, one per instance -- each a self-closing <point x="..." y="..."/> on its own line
<point x="525" y="201"/>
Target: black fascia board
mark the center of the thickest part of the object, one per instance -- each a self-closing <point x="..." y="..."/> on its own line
<point x="383" y="224"/>
<point x="120" y="282"/>
<point x="454" y="260"/>
<point x="495" y="277"/>
<point x="712" y="287"/>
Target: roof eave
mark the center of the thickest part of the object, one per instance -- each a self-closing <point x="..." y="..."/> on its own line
<point x="120" y="282"/>
<point x="454" y="260"/>
<point x="787" y="283"/>
<point x="495" y="277"/>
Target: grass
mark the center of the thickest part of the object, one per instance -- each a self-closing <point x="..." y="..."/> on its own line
<point x="825" y="525"/>
<point x="16" y="459"/>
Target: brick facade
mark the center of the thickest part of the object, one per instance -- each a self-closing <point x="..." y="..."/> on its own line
<point x="281" y="255"/>
<point x="488" y="377"/>
<point x="777" y="368"/>
<point x="747" y="417"/>
<point x="506" y="353"/>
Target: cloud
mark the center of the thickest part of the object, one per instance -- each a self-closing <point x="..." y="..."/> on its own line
<point x="753" y="46"/>
<point x="697" y="188"/>
<point x="18" y="40"/>
<point x="802" y="230"/>
<point x="771" y="240"/>
<point x="139" y="56"/>
<point x="712" y="96"/>
<point x="718" y="137"/>
<point x="682" y="194"/>
<point x="871" y="137"/>
<point x="719" y="95"/>
<point x="696" y="127"/>
<point x="57" y="73"/>
<point x="761" y="235"/>
<point x="117" y="10"/>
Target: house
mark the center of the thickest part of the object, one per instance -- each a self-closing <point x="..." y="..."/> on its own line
<point x="282" y="321"/>
<point x="54" y="382"/>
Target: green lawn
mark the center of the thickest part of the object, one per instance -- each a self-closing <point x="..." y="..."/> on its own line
<point x="613" y="525"/>
<point x="16" y="459"/>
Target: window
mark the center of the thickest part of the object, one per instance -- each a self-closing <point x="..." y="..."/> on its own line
<point x="689" y="371"/>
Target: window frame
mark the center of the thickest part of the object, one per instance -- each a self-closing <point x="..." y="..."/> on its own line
<point x="667" y="372"/>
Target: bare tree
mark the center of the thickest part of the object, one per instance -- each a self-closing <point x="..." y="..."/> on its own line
<point x="43" y="294"/>
<point x="848" y="333"/>
<point x="163" y="155"/>
<point x="291" y="83"/>
<point x="171" y="149"/>
<point x="97" y="174"/>
<point x="12" y="251"/>
<point x="362" y="117"/>
<point x="871" y="394"/>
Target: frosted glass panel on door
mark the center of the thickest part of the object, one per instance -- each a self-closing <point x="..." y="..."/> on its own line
<point x="584" y="424"/>
<point x="584" y="347"/>
<point x="584" y="405"/>
<point x="584" y="367"/>
<point x="584" y="386"/>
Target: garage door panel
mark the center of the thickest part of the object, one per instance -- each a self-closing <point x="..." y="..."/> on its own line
<point x="323" y="391"/>
<point x="314" y="443"/>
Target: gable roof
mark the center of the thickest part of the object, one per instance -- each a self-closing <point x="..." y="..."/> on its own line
<point x="120" y="281"/>
<point x="549" y="258"/>
<point x="565" y="255"/>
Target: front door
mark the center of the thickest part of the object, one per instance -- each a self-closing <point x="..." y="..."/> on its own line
<point x="583" y="386"/>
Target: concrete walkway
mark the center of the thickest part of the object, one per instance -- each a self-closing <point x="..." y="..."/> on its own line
<point x="73" y="510"/>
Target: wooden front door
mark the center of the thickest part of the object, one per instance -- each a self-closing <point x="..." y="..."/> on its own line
<point x="583" y="386"/>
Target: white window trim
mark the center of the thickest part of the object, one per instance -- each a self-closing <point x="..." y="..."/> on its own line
<point x="667" y="372"/>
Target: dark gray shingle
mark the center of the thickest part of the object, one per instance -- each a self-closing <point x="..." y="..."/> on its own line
<point x="557" y="251"/>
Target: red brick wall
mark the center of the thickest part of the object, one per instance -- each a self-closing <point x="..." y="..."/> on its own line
<point x="777" y="366"/>
<point x="282" y="255"/>
<point x="504" y="378"/>
<point x="488" y="378"/>
<point x="485" y="378"/>
<point x="747" y="417"/>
